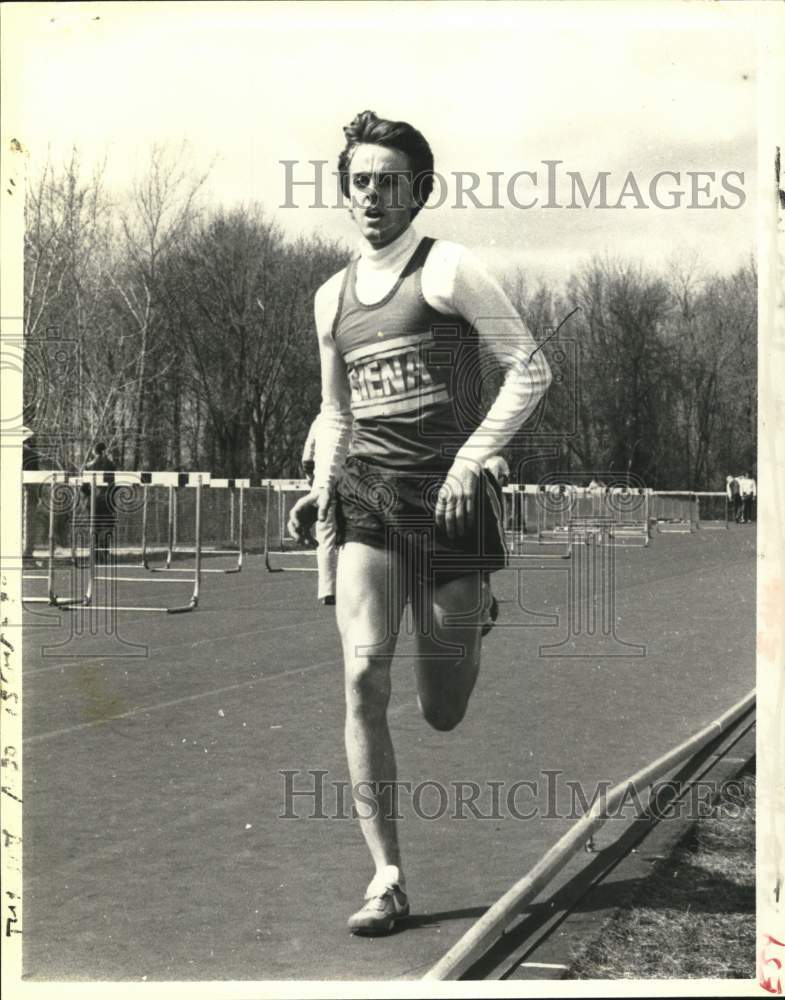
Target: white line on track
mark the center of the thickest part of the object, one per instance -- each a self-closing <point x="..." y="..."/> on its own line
<point x="143" y="579"/>
<point x="80" y="661"/>
<point x="179" y="701"/>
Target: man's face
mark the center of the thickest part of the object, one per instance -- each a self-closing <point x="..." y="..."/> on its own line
<point x="380" y="192"/>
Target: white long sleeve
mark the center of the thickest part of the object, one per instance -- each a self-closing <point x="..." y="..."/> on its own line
<point x="332" y="444"/>
<point x="454" y="281"/>
<point x="334" y="427"/>
<point x="309" y="448"/>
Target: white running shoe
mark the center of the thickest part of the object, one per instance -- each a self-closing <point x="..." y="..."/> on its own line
<point x="385" y="902"/>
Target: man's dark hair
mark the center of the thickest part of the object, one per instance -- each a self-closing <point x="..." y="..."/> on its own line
<point x="367" y="127"/>
<point x="100" y="447"/>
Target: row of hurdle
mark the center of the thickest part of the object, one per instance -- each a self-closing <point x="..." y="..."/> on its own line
<point x="159" y="523"/>
<point x="138" y="497"/>
<point x="560" y="516"/>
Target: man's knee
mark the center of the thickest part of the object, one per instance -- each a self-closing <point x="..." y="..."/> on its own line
<point x="442" y="715"/>
<point x="367" y="684"/>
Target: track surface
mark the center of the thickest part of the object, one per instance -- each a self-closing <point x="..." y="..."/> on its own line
<point x="154" y="843"/>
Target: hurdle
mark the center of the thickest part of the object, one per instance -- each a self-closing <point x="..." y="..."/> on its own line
<point x="675" y="511"/>
<point x="553" y="503"/>
<point x="568" y="515"/>
<point x="550" y="523"/>
<point x="238" y="486"/>
<point x="60" y="485"/>
<point x="628" y="509"/>
<point x="127" y="481"/>
<point x="518" y="517"/>
<point x="712" y="503"/>
<point x="281" y="488"/>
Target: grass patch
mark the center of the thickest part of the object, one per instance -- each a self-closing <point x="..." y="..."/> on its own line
<point x="694" y="917"/>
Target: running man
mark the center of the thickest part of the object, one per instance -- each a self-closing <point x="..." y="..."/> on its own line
<point x="400" y="459"/>
<point x="326" y="552"/>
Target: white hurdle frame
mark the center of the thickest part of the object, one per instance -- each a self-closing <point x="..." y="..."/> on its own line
<point x="171" y="546"/>
<point x="281" y="487"/>
<point x="53" y="479"/>
<point x="519" y="492"/>
<point x="194" y="480"/>
<point x="604" y="523"/>
<point x="712" y="525"/>
<point x="665" y="527"/>
<point x="637" y="532"/>
<point x="173" y="480"/>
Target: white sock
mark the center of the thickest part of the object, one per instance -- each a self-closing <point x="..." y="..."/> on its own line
<point x="386" y="877"/>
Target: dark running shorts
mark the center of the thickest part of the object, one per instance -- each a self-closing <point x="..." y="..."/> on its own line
<point x="395" y="512"/>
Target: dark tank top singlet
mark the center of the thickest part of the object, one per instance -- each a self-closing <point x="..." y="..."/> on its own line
<point x="414" y="374"/>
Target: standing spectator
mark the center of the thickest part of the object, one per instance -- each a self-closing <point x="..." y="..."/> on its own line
<point x="734" y="497"/>
<point x="748" y="491"/>
<point x="29" y="462"/>
<point x="105" y="515"/>
<point x="326" y="553"/>
<point x="30" y="456"/>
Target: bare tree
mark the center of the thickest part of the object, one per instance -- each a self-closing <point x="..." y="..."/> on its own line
<point x="241" y="300"/>
<point x="67" y="239"/>
<point x="160" y="211"/>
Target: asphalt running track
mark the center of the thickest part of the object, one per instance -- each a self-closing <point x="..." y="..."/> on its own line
<point x="153" y="843"/>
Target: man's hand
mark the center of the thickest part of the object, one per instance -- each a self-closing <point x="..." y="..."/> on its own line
<point x="305" y="513"/>
<point x="455" y="504"/>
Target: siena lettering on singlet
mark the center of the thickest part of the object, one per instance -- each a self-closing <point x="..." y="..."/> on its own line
<point x="394" y="380"/>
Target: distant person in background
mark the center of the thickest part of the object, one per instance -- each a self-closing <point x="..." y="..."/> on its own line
<point x="30" y="462"/>
<point x="748" y="491"/>
<point x="105" y="515"/>
<point x="30" y="457"/>
<point x="326" y="552"/>
<point x="734" y="497"/>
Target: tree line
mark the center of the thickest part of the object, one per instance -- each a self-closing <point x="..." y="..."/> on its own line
<point x="181" y="334"/>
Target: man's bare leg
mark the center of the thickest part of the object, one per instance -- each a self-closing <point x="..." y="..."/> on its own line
<point x="445" y="682"/>
<point x="370" y="600"/>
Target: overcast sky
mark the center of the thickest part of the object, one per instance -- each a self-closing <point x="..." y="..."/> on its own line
<point x="601" y="87"/>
